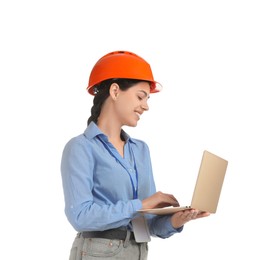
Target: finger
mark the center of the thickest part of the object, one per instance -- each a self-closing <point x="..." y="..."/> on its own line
<point x="194" y="214"/>
<point x="172" y="200"/>
<point x="190" y="214"/>
<point x="202" y="214"/>
<point x="168" y="199"/>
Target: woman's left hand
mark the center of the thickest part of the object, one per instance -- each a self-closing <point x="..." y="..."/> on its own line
<point x="182" y="217"/>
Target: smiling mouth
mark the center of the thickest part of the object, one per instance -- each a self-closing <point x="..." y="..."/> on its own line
<point x="139" y="115"/>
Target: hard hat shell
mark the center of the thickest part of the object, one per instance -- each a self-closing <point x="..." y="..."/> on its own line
<point x="121" y="64"/>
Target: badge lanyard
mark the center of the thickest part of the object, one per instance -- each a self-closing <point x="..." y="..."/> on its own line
<point x="134" y="188"/>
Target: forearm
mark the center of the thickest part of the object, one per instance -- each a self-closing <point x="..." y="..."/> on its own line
<point x="161" y="226"/>
<point x="91" y="216"/>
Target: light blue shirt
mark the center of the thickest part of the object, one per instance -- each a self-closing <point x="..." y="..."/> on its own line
<point x="99" y="184"/>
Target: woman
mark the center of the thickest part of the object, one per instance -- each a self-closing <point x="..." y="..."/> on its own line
<point x="107" y="175"/>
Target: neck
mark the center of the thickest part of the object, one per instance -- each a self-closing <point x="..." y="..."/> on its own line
<point x="108" y="122"/>
<point x="113" y="133"/>
<point x="110" y="127"/>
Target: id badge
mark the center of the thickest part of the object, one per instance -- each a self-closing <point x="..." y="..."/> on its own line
<point x="141" y="229"/>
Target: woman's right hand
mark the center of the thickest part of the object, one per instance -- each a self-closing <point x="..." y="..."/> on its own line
<point x="159" y="200"/>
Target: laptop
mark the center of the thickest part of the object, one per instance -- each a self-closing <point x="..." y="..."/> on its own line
<point x="207" y="188"/>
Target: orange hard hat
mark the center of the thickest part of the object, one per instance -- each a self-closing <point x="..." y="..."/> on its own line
<point x="121" y="64"/>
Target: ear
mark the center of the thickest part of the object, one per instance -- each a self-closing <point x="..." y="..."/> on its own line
<point x="114" y="90"/>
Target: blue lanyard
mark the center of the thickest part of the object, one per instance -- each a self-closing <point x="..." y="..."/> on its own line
<point x="119" y="159"/>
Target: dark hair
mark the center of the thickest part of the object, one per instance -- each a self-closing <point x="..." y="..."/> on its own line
<point x="102" y="93"/>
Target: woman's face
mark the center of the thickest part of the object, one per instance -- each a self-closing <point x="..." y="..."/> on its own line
<point x="131" y="103"/>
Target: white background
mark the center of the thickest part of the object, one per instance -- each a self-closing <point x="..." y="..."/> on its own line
<point x="216" y="61"/>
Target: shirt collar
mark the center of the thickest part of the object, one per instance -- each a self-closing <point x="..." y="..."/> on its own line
<point x="93" y="130"/>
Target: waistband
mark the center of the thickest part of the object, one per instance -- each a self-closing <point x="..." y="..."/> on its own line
<point x="119" y="234"/>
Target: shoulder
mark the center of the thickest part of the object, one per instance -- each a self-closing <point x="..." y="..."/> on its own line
<point x="86" y="139"/>
<point x="78" y="145"/>
<point x="76" y="140"/>
<point x="140" y="144"/>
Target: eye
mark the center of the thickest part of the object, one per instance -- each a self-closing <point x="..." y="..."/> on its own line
<point x="140" y="98"/>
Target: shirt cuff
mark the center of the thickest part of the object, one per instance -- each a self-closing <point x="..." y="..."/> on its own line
<point x="136" y="204"/>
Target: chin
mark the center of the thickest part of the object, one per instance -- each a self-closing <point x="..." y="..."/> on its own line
<point x="132" y="124"/>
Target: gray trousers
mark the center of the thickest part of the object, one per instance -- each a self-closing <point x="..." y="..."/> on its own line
<point x="101" y="248"/>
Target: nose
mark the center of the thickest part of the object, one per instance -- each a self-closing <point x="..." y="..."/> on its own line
<point x="145" y="106"/>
